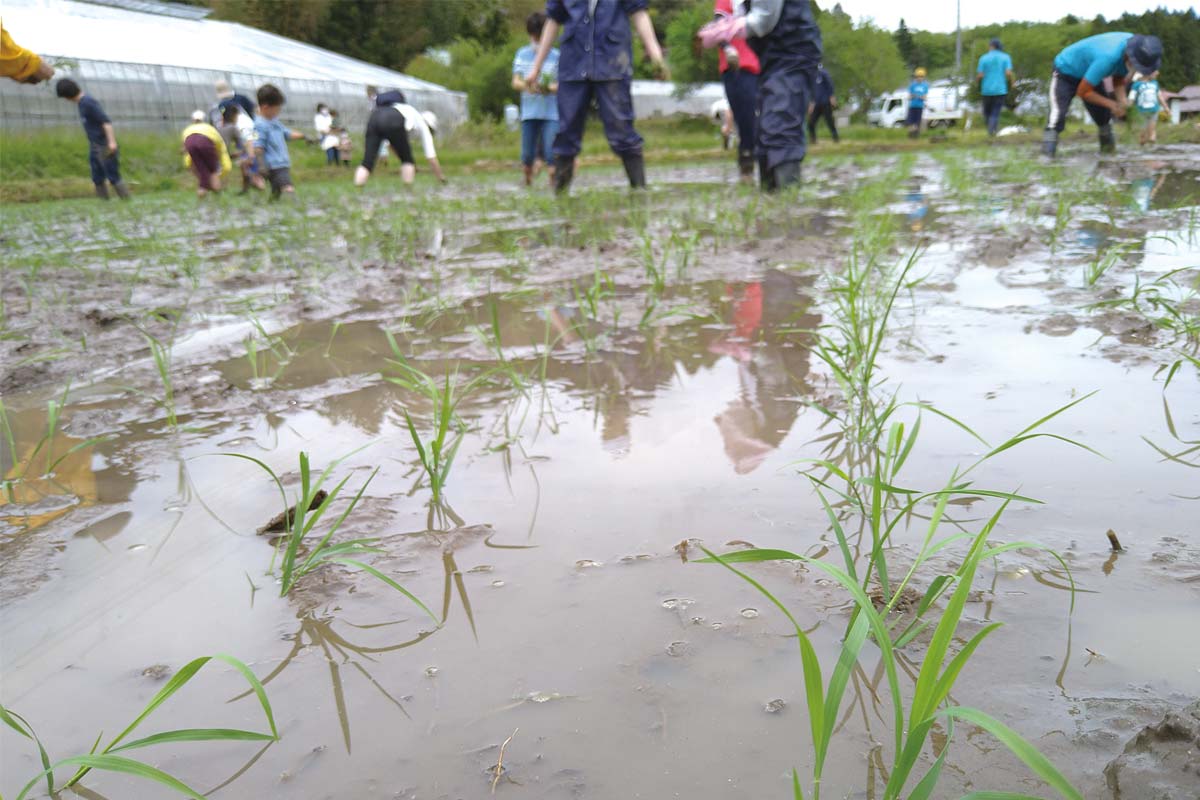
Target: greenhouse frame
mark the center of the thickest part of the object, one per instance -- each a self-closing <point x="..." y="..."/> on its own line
<point x="152" y="63"/>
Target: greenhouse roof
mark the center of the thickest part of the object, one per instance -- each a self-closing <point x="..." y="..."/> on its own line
<point x="115" y="32"/>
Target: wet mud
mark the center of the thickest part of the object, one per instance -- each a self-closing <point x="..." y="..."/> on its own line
<point x="668" y="396"/>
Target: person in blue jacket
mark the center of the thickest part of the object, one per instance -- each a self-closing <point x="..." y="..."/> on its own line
<point x="1080" y="71"/>
<point x="994" y="73"/>
<point x="596" y="62"/>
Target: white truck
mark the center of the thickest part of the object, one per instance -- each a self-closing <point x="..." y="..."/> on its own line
<point x="944" y="107"/>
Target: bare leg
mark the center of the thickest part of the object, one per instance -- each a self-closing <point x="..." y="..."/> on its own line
<point x="360" y="176"/>
<point x="408" y="172"/>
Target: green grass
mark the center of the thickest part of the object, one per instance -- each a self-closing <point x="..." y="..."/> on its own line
<point x="108" y="759"/>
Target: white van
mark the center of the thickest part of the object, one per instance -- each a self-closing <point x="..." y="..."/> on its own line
<point x="943" y="107"/>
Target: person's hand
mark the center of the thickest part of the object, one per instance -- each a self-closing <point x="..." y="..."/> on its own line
<point x="722" y="30"/>
<point x="833" y="103"/>
<point x="731" y="56"/>
<point x="1120" y="109"/>
<point x="531" y="78"/>
<point x="44" y="73"/>
<point x="661" y="70"/>
<point x="726" y="129"/>
<point x="111" y="149"/>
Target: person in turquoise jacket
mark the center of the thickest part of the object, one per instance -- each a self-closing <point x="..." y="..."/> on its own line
<point x="994" y="72"/>
<point x="1080" y="71"/>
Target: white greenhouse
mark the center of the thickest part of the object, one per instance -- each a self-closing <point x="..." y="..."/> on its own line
<point x="152" y="63"/>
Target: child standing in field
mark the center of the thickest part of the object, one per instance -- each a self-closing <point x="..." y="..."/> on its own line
<point x="102" y="141"/>
<point x="596" y="63"/>
<point x="1149" y="100"/>
<point x="345" y="146"/>
<point x="205" y="154"/>
<point x="539" y="105"/>
<point x="271" y="147"/>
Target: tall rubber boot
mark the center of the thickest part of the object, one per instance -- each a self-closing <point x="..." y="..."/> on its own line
<point x="1108" y="140"/>
<point x="102" y="191"/>
<point x="746" y="168"/>
<point x="787" y="174"/>
<point x="635" y="170"/>
<point x="122" y="190"/>
<point x="766" y="176"/>
<point x="564" y="172"/>
<point x="1049" y="142"/>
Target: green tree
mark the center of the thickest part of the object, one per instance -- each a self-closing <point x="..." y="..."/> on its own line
<point x="690" y="65"/>
<point x="905" y="44"/>
<point x="863" y="60"/>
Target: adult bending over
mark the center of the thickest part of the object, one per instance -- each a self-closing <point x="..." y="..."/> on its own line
<point x="1080" y="70"/>
<point x="386" y="123"/>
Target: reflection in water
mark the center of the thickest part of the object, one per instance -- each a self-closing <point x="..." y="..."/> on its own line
<point x="771" y="366"/>
<point x="319" y="632"/>
<point x="30" y="495"/>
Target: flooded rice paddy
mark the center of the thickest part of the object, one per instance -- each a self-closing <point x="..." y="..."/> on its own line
<point x="637" y="378"/>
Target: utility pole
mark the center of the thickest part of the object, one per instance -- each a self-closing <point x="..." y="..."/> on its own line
<point x="958" y="38"/>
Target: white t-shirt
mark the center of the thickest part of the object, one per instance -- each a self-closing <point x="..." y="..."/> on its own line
<point x="413" y="121"/>
<point x="322" y="122"/>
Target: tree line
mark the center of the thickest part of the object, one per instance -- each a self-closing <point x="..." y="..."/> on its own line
<point x="468" y="45"/>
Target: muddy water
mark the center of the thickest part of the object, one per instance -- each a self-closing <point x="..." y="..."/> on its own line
<point x="574" y="621"/>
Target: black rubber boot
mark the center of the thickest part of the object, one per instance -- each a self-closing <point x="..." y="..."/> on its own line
<point x="102" y="191"/>
<point x="746" y="168"/>
<point x="122" y="190"/>
<point x="1049" y="142"/>
<point x="635" y="170"/>
<point x="564" y="172"/>
<point x="1108" y="140"/>
<point x="787" y="174"/>
<point x="766" y="176"/>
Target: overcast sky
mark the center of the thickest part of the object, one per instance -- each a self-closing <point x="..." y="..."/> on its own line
<point x="938" y="15"/>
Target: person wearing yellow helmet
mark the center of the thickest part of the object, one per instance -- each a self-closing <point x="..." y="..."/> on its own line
<point x="917" y="92"/>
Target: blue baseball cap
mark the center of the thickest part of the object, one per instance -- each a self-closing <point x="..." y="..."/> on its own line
<point x="996" y="43"/>
<point x="1144" y="52"/>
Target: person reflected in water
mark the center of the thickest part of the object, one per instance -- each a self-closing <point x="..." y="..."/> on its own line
<point x="771" y="367"/>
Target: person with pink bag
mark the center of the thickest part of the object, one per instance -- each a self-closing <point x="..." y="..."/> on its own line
<point x="784" y="36"/>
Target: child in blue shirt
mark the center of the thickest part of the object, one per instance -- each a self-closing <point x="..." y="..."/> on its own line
<point x="272" y="135"/>
<point x="102" y="142"/>
<point x="1080" y="71"/>
<point x="1149" y="100"/>
<point x="539" y="104"/>
<point x="917" y="92"/>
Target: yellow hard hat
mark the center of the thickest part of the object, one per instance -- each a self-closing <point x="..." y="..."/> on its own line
<point x="919" y="72"/>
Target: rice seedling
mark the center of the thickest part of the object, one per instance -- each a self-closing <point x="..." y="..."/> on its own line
<point x="298" y="521"/>
<point x="869" y="486"/>
<point x="112" y="757"/>
<point x="24" y="464"/>
<point x="1096" y="269"/>
<point x="438" y="450"/>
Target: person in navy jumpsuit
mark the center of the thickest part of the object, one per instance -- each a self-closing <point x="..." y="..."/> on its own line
<point x="596" y="62"/>
<point x="785" y="37"/>
<point x="788" y="42"/>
